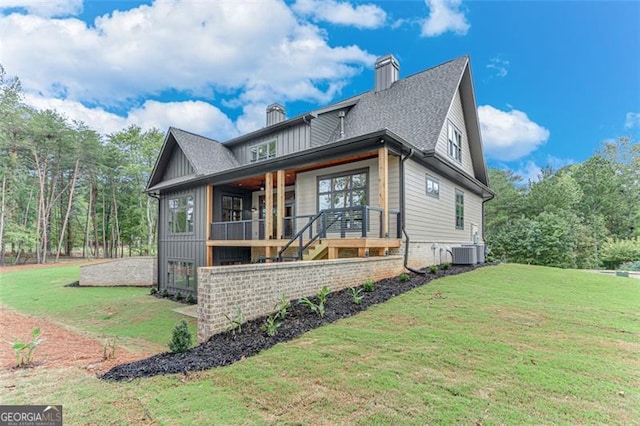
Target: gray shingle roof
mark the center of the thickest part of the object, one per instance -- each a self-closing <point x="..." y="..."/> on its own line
<point x="206" y="155"/>
<point x="414" y="108"/>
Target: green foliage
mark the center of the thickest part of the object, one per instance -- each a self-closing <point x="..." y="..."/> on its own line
<point x="630" y="266"/>
<point x="317" y="308"/>
<point x="153" y="290"/>
<point x="356" y="295"/>
<point x="181" y="340"/>
<point x="368" y="285"/>
<point x="190" y="299"/>
<point x="404" y="277"/>
<point x="445" y="266"/>
<point x="165" y="293"/>
<point x="235" y="323"/>
<point x="282" y="308"/>
<point x="616" y="252"/>
<point x="271" y="325"/>
<point x="322" y="295"/>
<point x="179" y="296"/>
<point x="433" y="269"/>
<point x="25" y="351"/>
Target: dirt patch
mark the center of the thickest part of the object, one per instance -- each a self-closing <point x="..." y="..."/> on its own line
<point x="59" y="348"/>
<point x="62" y="262"/>
<point x="227" y="348"/>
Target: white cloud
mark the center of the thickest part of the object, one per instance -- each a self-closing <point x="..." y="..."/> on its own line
<point x="632" y="120"/>
<point x="196" y="116"/>
<point x="444" y="15"/>
<point x="369" y="16"/>
<point x="500" y="66"/>
<point x="47" y="8"/>
<point x="509" y="135"/>
<point x="227" y="49"/>
<point x="530" y="172"/>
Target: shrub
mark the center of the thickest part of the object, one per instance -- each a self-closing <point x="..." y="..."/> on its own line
<point x="181" y="339"/>
<point x="404" y="277"/>
<point x="616" y="252"/>
<point x="368" y="285"/>
<point x="153" y="291"/>
<point x="179" y="296"/>
<point x="26" y="351"/>
<point x="630" y="266"/>
<point x="433" y="269"/>
<point x="445" y="266"/>
<point x="165" y="293"/>
<point x="190" y="299"/>
<point x="356" y="296"/>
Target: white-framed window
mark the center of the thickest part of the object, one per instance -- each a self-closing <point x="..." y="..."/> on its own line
<point x="263" y="151"/>
<point x="433" y="186"/>
<point x="459" y="209"/>
<point x="181" y="214"/>
<point x="455" y="142"/>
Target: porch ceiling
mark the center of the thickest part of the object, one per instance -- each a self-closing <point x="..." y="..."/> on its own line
<point x="256" y="183"/>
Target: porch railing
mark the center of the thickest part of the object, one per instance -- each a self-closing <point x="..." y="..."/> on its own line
<point x="360" y="221"/>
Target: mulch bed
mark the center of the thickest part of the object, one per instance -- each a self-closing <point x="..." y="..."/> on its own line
<point x="226" y="348"/>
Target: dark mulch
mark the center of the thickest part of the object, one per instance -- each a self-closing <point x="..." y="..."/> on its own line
<point x="226" y="348"/>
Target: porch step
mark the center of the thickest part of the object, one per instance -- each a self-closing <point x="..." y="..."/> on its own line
<point x="317" y="251"/>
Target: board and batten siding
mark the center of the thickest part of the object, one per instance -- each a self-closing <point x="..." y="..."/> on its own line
<point x="456" y="117"/>
<point x="323" y="127"/>
<point x="433" y="220"/>
<point x="178" y="165"/>
<point x="188" y="246"/>
<point x="288" y="141"/>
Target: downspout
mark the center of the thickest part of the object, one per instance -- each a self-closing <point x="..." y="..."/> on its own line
<point x="158" y="243"/>
<point x="403" y="215"/>
<point x="483" y="224"/>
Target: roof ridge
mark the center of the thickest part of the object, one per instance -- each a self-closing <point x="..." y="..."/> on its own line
<point x="171" y="128"/>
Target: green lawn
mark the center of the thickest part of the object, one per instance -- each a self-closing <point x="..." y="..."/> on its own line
<point x="141" y="321"/>
<point x="510" y="344"/>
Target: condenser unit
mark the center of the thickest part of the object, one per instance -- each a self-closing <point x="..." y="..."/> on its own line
<point x="480" y="253"/>
<point x="466" y="255"/>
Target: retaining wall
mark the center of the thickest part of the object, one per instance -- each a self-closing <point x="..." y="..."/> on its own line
<point x="128" y="271"/>
<point x="257" y="288"/>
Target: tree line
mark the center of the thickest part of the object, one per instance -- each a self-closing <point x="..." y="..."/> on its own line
<point x="585" y="215"/>
<point x="65" y="189"/>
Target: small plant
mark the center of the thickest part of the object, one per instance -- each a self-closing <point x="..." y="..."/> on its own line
<point x="445" y="266"/>
<point x="356" y="296"/>
<point x="179" y="296"/>
<point x="235" y="324"/>
<point x="165" y="293"/>
<point x="368" y="285"/>
<point x="318" y="308"/>
<point x="404" y="277"/>
<point x="153" y="291"/>
<point x="26" y="351"/>
<point x="433" y="269"/>
<point x="109" y="349"/>
<point x="190" y="299"/>
<point x="181" y="339"/>
<point x="271" y="325"/>
<point x="283" y="307"/>
<point x="322" y="295"/>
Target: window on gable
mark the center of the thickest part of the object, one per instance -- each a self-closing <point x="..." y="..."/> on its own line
<point x="459" y="209"/>
<point x="231" y="208"/>
<point x="263" y="151"/>
<point x="181" y="214"/>
<point x="455" y="142"/>
<point x="433" y="187"/>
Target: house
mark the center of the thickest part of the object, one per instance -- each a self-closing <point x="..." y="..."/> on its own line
<point x="398" y="169"/>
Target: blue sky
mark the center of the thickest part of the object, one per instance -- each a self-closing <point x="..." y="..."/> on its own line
<point x="553" y="80"/>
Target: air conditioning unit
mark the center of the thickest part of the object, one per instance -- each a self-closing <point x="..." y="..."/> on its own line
<point x="466" y="255"/>
<point x="480" y="253"/>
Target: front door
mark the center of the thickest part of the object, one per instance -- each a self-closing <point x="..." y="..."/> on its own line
<point x="289" y="211"/>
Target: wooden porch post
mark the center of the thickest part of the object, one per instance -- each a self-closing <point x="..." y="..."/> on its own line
<point x="280" y="205"/>
<point x="268" y="205"/>
<point x="209" y="201"/>
<point x="383" y="187"/>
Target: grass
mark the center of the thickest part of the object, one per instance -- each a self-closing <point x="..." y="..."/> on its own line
<point x="510" y="344"/>
<point x="143" y="322"/>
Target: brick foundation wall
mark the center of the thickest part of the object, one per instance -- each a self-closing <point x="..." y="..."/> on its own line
<point x="128" y="271"/>
<point x="256" y="289"/>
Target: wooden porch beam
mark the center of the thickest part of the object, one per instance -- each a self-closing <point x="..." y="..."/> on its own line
<point x="268" y="204"/>
<point x="383" y="188"/>
<point x="280" y="205"/>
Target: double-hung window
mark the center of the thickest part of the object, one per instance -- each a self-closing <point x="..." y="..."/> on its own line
<point x="263" y="151"/>
<point x="459" y="209"/>
<point x="455" y="142"/>
<point x="181" y="214"/>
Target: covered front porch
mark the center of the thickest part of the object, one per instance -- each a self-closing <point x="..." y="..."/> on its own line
<point x="323" y="210"/>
